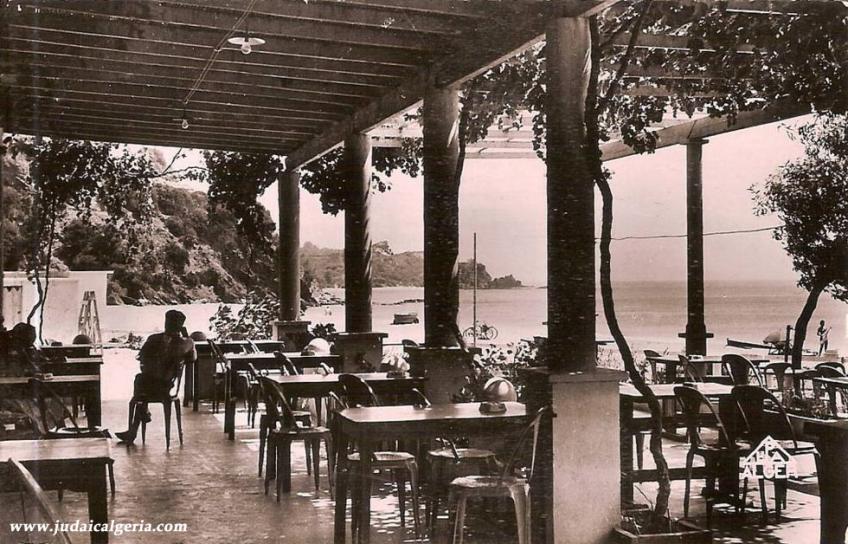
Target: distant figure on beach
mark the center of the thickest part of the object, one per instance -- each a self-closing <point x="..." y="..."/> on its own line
<point x="823" y="332"/>
<point x="161" y="359"/>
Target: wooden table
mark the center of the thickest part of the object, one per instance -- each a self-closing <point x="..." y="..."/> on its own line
<point x="319" y="385"/>
<point x="78" y="464"/>
<point x="239" y="363"/>
<point x="74" y="366"/>
<point x="672" y="361"/>
<point x="628" y="395"/>
<point x="369" y="426"/>
<point x="198" y="381"/>
<point x="85" y="386"/>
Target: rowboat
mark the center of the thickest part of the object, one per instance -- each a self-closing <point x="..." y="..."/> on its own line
<point x="405" y="319"/>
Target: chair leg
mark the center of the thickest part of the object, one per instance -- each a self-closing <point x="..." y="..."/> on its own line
<point x="142" y="406"/>
<point x="413" y="486"/>
<point x="263" y="436"/>
<point x="521" y="504"/>
<point x="166" y="406"/>
<point x="131" y="414"/>
<point x="400" y="480"/>
<point x="271" y="472"/>
<point x="308" y="451"/>
<point x="459" y="519"/>
<point x="331" y="463"/>
<point x="763" y="503"/>
<point x="353" y="478"/>
<point x="690" y="458"/>
<point x="178" y="410"/>
<point x="743" y="504"/>
<point x="111" y="469"/>
<point x="316" y="459"/>
<point x="284" y="468"/>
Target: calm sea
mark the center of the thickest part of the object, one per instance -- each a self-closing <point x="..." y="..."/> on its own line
<point x="651" y="313"/>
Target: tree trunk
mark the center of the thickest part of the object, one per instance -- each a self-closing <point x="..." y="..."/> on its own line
<point x="803" y="321"/>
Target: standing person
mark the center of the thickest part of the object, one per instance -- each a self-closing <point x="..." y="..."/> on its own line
<point x="161" y="358"/>
<point x="823" y="333"/>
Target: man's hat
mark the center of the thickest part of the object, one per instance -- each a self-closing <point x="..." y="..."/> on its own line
<point x="174" y="321"/>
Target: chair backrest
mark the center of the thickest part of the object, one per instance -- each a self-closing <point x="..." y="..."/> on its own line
<point x="740" y="369"/>
<point x="691" y="402"/>
<point x="779" y="370"/>
<point x="30" y="487"/>
<point x="276" y="405"/>
<point x="831" y="370"/>
<point x="287" y="364"/>
<point x="530" y="433"/>
<point x="218" y="356"/>
<point x="357" y="391"/>
<point x="752" y="401"/>
<point x="690" y="371"/>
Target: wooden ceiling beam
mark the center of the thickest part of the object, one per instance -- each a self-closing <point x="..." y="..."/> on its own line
<point x="340" y="13"/>
<point x="110" y="114"/>
<point x="26" y="58"/>
<point x="54" y="129"/>
<point x="676" y="43"/>
<point x="174" y="96"/>
<point x="166" y="126"/>
<point x="475" y="9"/>
<point x="314" y="41"/>
<point x="258" y="62"/>
<point x="709" y="126"/>
<point x="231" y="115"/>
<point x="179" y="86"/>
<point x="522" y="33"/>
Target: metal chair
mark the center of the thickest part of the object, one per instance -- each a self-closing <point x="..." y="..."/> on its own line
<point x="651" y="356"/>
<point x="507" y="484"/>
<point x="831" y="370"/>
<point x="169" y="399"/>
<point x="781" y="372"/>
<point x="699" y="413"/>
<point x="266" y="422"/>
<point x="29" y="486"/>
<point x="764" y="416"/>
<point x="219" y="376"/>
<point x="280" y="439"/>
<point x="740" y="369"/>
<point x="400" y="463"/>
<point x="689" y="371"/>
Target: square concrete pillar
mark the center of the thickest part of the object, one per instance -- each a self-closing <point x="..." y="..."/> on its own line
<point x="356" y="346"/>
<point x="294" y="333"/>
<point x="445" y="368"/>
<point x="586" y="460"/>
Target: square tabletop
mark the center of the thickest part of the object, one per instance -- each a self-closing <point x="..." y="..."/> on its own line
<point x="68" y="449"/>
<point x="666" y="390"/>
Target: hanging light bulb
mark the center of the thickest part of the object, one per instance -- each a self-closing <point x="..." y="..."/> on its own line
<point x="246" y="43"/>
<point x="184" y="123"/>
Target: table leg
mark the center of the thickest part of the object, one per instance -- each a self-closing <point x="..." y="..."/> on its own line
<point x="92" y="407"/>
<point x="626" y="449"/>
<point x="229" y="406"/>
<point x="97" y="504"/>
<point x="365" y="448"/>
<point x="195" y="379"/>
<point x="342" y="475"/>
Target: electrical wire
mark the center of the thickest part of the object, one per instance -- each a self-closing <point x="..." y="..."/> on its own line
<point x="716" y="233"/>
<point x="218" y="48"/>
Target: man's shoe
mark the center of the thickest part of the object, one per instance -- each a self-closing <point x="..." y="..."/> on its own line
<point x="126" y="437"/>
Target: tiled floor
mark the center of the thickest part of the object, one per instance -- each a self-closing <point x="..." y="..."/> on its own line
<point x="211" y="484"/>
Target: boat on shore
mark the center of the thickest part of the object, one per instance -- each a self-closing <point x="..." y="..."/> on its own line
<point x="408" y="318"/>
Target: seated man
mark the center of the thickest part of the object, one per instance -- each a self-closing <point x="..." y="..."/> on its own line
<point x="161" y="358"/>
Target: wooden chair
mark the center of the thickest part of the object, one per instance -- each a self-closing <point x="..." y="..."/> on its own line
<point x="699" y="413"/>
<point x="741" y="370"/>
<point x="763" y="416"/>
<point x="169" y="399"/>
<point x="400" y="463"/>
<point x="280" y="439"/>
<point x="507" y="484"/>
<point x="29" y="487"/>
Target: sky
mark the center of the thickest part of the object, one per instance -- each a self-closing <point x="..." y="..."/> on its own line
<point x="503" y="201"/>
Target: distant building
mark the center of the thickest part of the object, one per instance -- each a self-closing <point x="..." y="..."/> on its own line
<point x="64" y="300"/>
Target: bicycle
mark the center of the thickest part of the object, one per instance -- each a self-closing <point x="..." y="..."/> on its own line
<point x="484" y="332"/>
